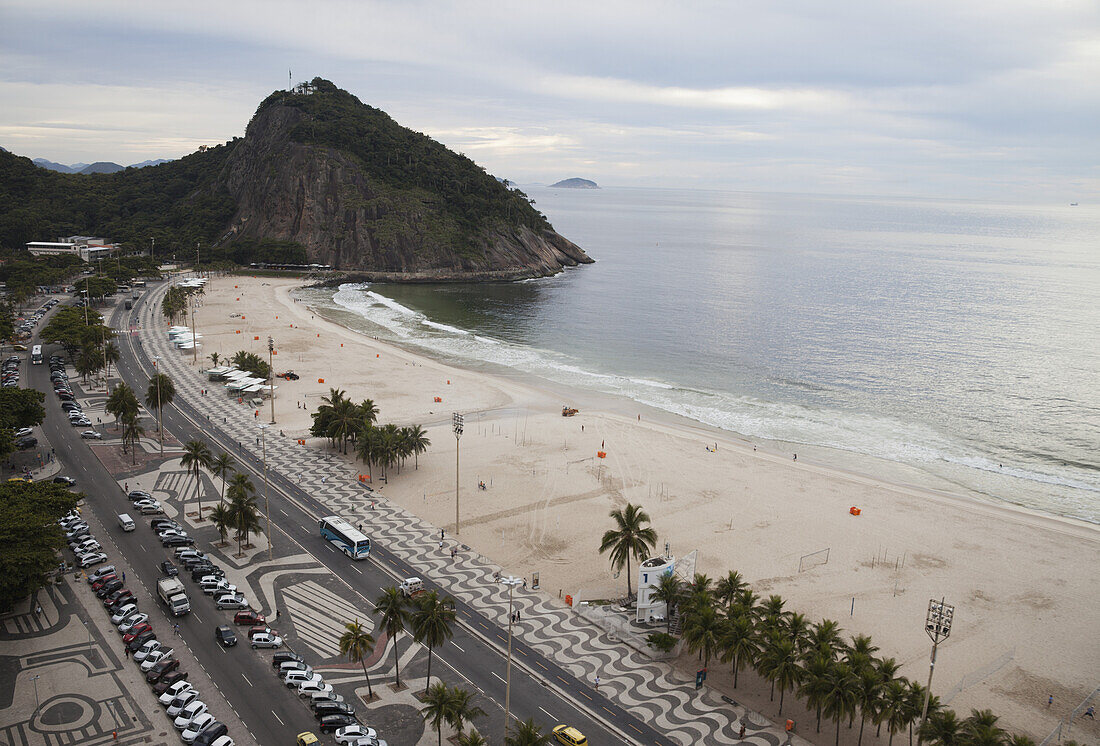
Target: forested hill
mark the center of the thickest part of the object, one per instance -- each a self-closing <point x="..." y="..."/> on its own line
<point x="318" y="169"/>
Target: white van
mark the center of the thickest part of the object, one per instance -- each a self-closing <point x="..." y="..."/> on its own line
<point x="126" y="522"/>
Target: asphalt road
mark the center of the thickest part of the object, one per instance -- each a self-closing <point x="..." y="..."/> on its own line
<point x="540" y="688"/>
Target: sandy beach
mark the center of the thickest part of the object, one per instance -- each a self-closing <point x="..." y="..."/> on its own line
<point x="1023" y="584"/>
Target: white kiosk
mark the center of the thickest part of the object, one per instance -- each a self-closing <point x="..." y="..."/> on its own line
<point x="650" y="573"/>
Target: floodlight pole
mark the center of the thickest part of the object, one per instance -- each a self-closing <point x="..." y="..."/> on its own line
<point x="271" y="374"/>
<point x="456" y="420"/>
<point x="938" y="626"/>
<point x="511" y="582"/>
<point x="267" y="504"/>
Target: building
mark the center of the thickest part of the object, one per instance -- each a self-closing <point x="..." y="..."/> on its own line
<point x="650" y="572"/>
<point x="88" y="248"/>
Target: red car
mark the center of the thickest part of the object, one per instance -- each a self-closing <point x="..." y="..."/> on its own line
<point x="123" y="596"/>
<point x="260" y="629"/>
<point x="129" y="636"/>
<point x="249" y="617"/>
<point x="103" y="581"/>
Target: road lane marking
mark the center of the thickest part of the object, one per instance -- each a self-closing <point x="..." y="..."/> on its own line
<point x="498" y="676"/>
<point x="282" y="723"/>
<point x="548" y="713"/>
<point x="288" y="516"/>
<point x="456" y="645"/>
<point x="246" y="679"/>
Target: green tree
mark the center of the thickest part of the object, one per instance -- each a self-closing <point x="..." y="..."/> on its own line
<point x="432" y="621"/>
<point x="437" y="706"/>
<point x="462" y="709"/>
<point x="527" y="733"/>
<point x="729" y="589"/>
<point x="868" y="691"/>
<point x="159" y="394"/>
<point x="418" y="441"/>
<point x="242" y="506"/>
<point x="131" y="433"/>
<point x="111" y="355"/>
<point x="222" y="518"/>
<point x="473" y="738"/>
<point x="356" y="644"/>
<point x="196" y="457"/>
<point x="669" y="591"/>
<point x="662" y="641"/>
<point x="21" y="408"/>
<point x="839" y="694"/>
<point x="703" y="629"/>
<point x="252" y="363"/>
<point x="222" y="466"/>
<point x="30" y="535"/>
<point x="394" y="617"/>
<point x="941" y="729"/>
<point x="893" y="707"/>
<point x="631" y="538"/>
<point x="738" y="643"/>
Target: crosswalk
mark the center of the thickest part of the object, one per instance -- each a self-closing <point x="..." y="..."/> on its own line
<point x="318" y="616"/>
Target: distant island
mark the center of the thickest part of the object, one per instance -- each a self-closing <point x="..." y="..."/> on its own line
<point x="575" y="183"/>
<point x="99" y="167"/>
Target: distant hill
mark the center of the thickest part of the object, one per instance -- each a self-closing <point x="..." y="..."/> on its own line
<point x="319" y="173"/>
<point x="102" y="167"/>
<point x="95" y="168"/>
<point x="575" y="183"/>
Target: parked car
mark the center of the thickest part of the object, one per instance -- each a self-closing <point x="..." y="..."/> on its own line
<point x="141" y="639"/>
<point x="264" y="640"/>
<point x="136" y="631"/>
<point x="352" y="733"/>
<point x="173" y="690"/>
<point x="224" y="634"/>
<point x="100" y="582"/>
<point x="138" y="494"/>
<point x="223" y="741"/>
<point x="177" y="541"/>
<point x="124" y="612"/>
<point x="64" y="480"/>
<point x="284" y="657"/>
<point x="170" y="680"/>
<point x="164" y="667"/>
<point x="297" y="678"/>
<point x="200" y="723"/>
<point x="332" y="708"/>
<point x="154" y="658"/>
<point x="181" y="700"/>
<point x="189" y="713"/>
<point x="28" y="442"/>
<point x="313" y="687"/>
<point x="150" y="647"/>
<point x="97" y="574"/>
<point x="249" y="617"/>
<point x="93" y="558"/>
<point x="212" y="584"/>
<point x="91" y="435"/>
<point x="212" y="734"/>
<point x="109" y="588"/>
<point x="158" y="523"/>
<point x="330" y="723"/>
<point x="231" y="601"/>
<point x="118" y="598"/>
<point x="128" y="624"/>
<point x="150" y="509"/>
<point x="199" y="572"/>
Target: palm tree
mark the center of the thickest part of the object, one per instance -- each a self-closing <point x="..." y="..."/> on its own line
<point x="196" y="457"/>
<point x="798" y="629"/>
<point x="738" y="643"/>
<point x="981" y="729"/>
<point x="825" y="636"/>
<point x="356" y="644"/>
<point x="941" y="729"/>
<point x="816" y="685"/>
<point x="222" y="518"/>
<point x="221" y="467"/>
<point x="110" y="355"/>
<point x="393" y="610"/>
<point x="132" y="431"/>
<point x="868" y="690"/>
<point x="893" y="706"/>
<point x="839" y="694"/>
<point x="437" y="707"/>
<point x="473" y="738"/>
<point x="431" y="622"/>
<point x="860" y="652"/>
<point x="779" y="664"/>
<point x="366" y="447"/>
<point x="631" y="538"/>
<point x="214" y="358"/>
<point x="121" y="402"/>
<point x="242" y="506"/>
<point x="702" y="630"/>
<point x="418" y="442"/>
<point x="887" y="669"/>
<point x="160" y="394"/>
<point x="527" y="733"/>
<point x="729" y="589"/>
<point x="462" y="710"/>
<point x="669" y="591"/>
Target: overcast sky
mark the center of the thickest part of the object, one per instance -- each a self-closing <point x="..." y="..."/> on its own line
<point x="933" y="97"/>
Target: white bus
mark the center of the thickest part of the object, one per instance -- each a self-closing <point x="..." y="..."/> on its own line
<point x="345" y="537"/>
<point x="36" y="355"/>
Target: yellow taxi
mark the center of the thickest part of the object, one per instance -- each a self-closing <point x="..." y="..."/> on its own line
<point x="569" y="736"/>
<point x="306" y="739"/>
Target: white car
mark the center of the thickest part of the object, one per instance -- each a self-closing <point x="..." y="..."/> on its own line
<point x="150" y="509"/>
<point x="231" y="601"/>
<point x="297" y="678"/>
<point x="130" y="622"/>
<point x="352" y="733"/>
<point x="124" y="612"/>
<point x="91" y="435"/>
<point x="23" y="432"/>
<point x="174" y="691"/>
<point x="189" y="713"/>
<point x="86" y="547"/>
<point x="184" y="552"/>
<point x="197" y="726"/>
<point x="154" y="658"/>
<point x="164" y="533"/>
<point x="313" y="687"/>
<point x="264" y="640"/>
<point x="181" y="700"/>
<point x="92" y="558"/>
<point x="220" y="586"/>
<point x="223" y="741"/>
<point x="145" y="650"/>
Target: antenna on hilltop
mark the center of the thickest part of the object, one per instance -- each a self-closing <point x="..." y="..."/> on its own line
<point x="289" y="79"/>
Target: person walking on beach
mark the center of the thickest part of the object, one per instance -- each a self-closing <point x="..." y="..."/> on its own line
<point x="1050" y="701"/>
<point x="1090" y="713"/>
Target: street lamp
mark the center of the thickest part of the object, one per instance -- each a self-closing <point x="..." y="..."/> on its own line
<point x="456" y="420"/>
<point x="938" y="626"/>
<point x="511" y="582"/>
<point x="271" y="380"/>
<point x="35" y="680"/>
<point x="160" y="428"/>
<point x="267" y="505"/>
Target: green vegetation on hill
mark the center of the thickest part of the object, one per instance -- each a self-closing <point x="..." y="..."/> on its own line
<point x="413" y="168"/>
<point x="177" y="203"/>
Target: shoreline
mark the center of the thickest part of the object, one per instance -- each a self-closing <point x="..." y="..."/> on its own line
<point x="895" y="474"/>
<point x="1017" y="575"/>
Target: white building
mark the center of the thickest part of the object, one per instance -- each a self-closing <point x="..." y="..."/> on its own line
<point x="650" y="573"/>
<point x="88" y="248"/>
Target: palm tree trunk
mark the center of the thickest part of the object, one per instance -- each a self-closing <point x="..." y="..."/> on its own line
<point x="736" y="669"/>
<point x="819" y="718"/>
<point x="862" y="721"/>
<point x="782" y="693"/>
<point x="628" y="591"/>
<point x="370" y="692"/>
<point x="429" y="681"/>
<point x="838" y="729"/>
<point x="198" y="492"/>
<point x="397" y="659"/>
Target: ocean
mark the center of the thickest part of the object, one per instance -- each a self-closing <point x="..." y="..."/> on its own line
<point x="959" y="339"/>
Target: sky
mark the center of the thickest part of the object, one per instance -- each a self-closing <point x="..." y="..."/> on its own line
<point x="956" y="99"/>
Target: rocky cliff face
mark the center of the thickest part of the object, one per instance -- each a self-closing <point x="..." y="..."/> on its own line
<point x="325" y="200"/>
